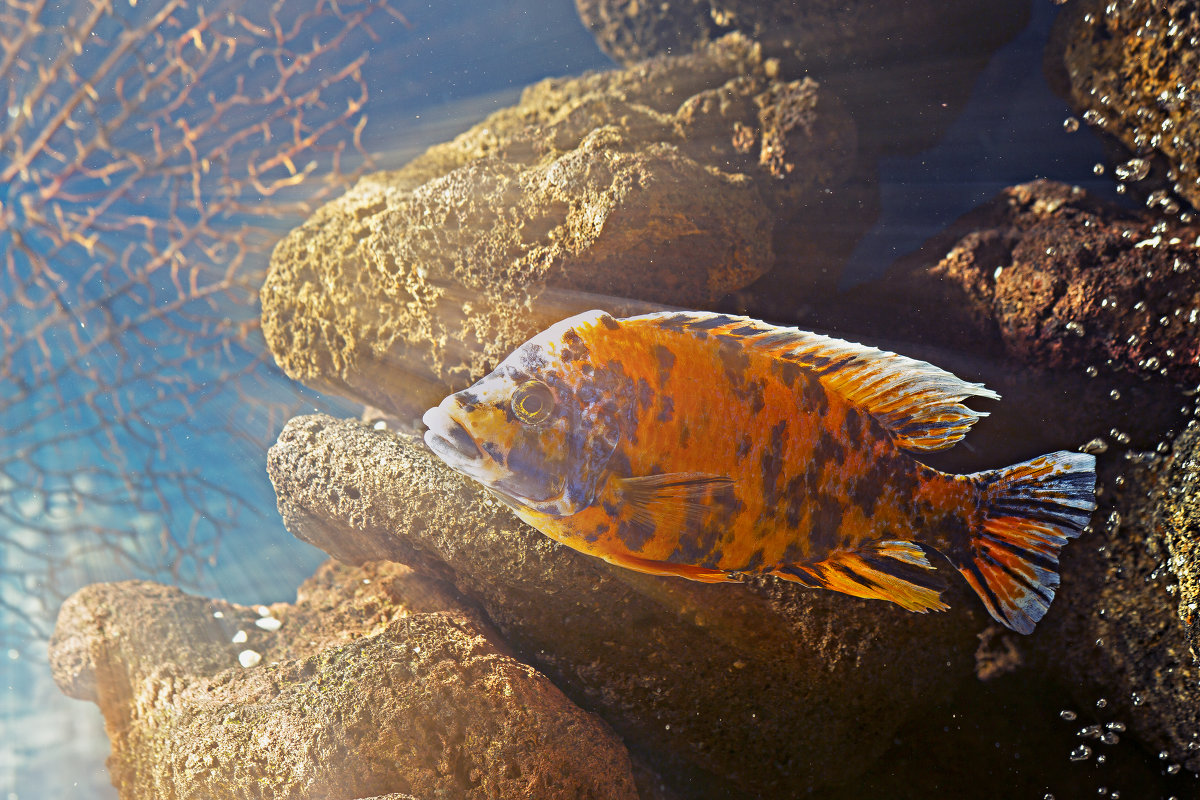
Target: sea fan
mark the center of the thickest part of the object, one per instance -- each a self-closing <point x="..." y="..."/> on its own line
<point x="150" y="153"/>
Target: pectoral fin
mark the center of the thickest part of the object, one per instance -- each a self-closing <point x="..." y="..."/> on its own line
<point x="675" y="498"/>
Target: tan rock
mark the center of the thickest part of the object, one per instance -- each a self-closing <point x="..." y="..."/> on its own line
<point x="376" y="681"/>
<point x="674" y="182"/>
<point x="728" y="690"/>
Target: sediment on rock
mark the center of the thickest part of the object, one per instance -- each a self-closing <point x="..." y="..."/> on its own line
<point x="377" y="680"/>
<point x="673" y="182"/>
<point x="752" y="688"/>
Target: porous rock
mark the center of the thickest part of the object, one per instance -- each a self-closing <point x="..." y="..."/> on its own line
<point x="728" y="690"/>
<point x="674" y="182"/>
<point x="1048" y="275"/>
<point x="904" y="69"/>
<point x="1131" y="68"/>
<point x="1127" y="603"/>
<point x="376" y="683"/>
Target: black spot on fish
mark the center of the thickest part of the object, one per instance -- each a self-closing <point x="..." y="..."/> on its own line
<point x="493" y="451"/>
<point x="813" y="396"/>
<point x="666" y="362"/>
<point x="865" y="491"/>
<point x="853" y="428"/>
<point x="792" y="554"/>
<point x="955" y="530"/>
<point x="674" y="322"/>
<point x="746" y="330"/>
<point x="793" y="501"/>
<point x="608" y="322"/>
<point x="596" y="533"/>
<point x="619" y="464"/>
<point x="755" y="563"/>
<point x="576" y="349"/>
<point x="467" y="400"/>
<point x="667" y="409"/>
<point x="645" y="394"/>
<point x="735" y="361"/>
<point x="827" y="518"/>
<point x="743" y="448"/>
<point x="786" y="371"/>
<point x="771" y="464"/>
<point x="634" y="535"/>
<point x="708" y="323"/>
<point x="684" y="433"/>
<point x="610" y="508"/>
<point x="757" y="399"/>
<point x="828" y="450"/>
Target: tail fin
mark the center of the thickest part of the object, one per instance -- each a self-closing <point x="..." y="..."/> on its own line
<point x="1031" y="509"/>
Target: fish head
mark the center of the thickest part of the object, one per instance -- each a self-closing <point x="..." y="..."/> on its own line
<point x="537" y="431"/>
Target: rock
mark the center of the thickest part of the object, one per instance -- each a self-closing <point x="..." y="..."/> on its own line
<point x="673" y="182"/>
<point x="377" y="680"/>
<point x="1059" y="301"/>
<point x="1083" y="315"/>
<point x="1132" y="68"/>
<point x="728" y="690"/>
<point x="904" y="69"/>
<point x="1177" y="515"/>
<point x="1048" y="275"/>
<point x="1126" y="620"/>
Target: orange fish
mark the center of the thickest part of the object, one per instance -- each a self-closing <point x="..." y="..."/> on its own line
<point x="714" y="447"/>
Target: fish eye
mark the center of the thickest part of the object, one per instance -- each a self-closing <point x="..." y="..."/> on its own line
<point x="533" y="402"/>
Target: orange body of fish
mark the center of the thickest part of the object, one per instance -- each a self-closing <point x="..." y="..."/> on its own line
<point x="711" y="447"/>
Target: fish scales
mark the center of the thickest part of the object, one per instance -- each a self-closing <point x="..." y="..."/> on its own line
<point x="710" y="446"/>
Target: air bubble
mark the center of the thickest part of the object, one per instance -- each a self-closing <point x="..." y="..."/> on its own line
<point x="1070" y="124"/>
<point x="1098" y="169"/>
<point x="1135" y="169"/>
<point x="1081" y="753"/>
<point x="1115" y="394"/>
<point x="1101" y="703"/>
<point x="1068" y="715"/>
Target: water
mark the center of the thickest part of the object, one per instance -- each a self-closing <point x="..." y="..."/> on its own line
<point x="135" y="442"/>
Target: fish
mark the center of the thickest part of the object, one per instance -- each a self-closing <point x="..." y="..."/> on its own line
<point x="716" y="447"/>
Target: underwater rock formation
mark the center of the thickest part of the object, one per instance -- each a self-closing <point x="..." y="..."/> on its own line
<point x="1132" y="69"/>
<point x="376" y="680"/>
<point x="904" y="69"/>
<point x="727" y="690"/>
<point x="1086" y="318"/>
<point x="1046" y="274"/>
<point x="672" y="182"/>
<point x="1177" y="515"/>
<point x="1128" y="603"/>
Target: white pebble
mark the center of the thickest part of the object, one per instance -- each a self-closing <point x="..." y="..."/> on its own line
<point x="239" y="637"/>
<point x="249" y="658"/>
<point x="269" y="623"/>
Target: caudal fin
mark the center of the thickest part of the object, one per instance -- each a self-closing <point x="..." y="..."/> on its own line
<point x="1031" y="510"/>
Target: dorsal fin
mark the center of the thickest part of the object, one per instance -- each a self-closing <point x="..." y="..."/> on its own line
<point x="919" y="404"/>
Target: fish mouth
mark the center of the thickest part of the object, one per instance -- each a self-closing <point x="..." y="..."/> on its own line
<point x="450" y="442"/>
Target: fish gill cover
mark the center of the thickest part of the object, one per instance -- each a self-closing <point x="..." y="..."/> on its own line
<point x="149" y="152"/>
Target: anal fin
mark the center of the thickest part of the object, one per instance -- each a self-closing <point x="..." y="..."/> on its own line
<point x="896" y="571"/>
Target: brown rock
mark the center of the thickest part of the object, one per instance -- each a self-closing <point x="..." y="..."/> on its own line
<point x="1048" y="275"/>
<point x="1132" y="69"/>
<point x="1123" y="631"/>
<point x="375" y="681"/>
<point x="726" y="689"/>
<point x="904" y="69"/>
<point x="674" y="182"/>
